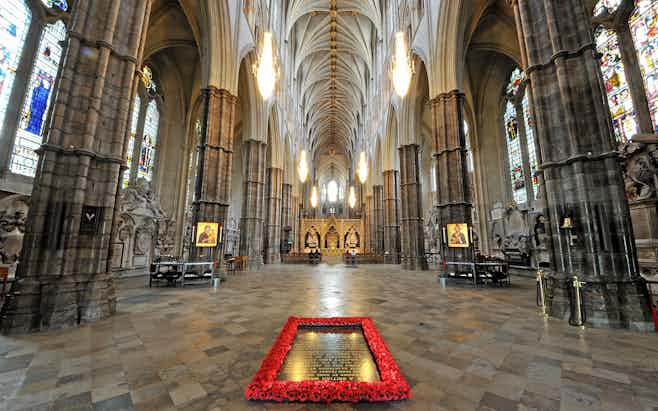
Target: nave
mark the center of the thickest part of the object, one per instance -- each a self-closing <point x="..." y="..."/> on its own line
<point x="460" y="348"/>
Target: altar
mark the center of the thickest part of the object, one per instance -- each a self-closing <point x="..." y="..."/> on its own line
<point x="332" y="236"/>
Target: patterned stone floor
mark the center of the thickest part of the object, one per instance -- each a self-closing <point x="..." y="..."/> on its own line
<point x="460" y="348"/>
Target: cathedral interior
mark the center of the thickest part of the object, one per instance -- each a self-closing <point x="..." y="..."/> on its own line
<point x="179" y="177"/>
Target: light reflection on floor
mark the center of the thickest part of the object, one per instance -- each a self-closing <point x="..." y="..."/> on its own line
<point x="329" y="353"/>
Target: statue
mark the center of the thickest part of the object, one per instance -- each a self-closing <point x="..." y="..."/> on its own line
<point x="143" y="228"/>
<point x="639" y="170"/>
<point x="13" y="214"/>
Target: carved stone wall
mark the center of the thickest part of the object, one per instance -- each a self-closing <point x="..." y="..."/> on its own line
<point x="143" y="230"/>
<point x="13" y="213"/>
<point x="640" y="180"/>
<point x="519" y="232"/>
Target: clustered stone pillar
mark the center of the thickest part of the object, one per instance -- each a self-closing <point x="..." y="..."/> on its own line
<point x="251" y="233"/>
<point x="64" y="277"/>
<point x="378" y="216"/>
<point x="453" y="190"/>
<point x="370" y="228"/>
<point x="213" y="185"/>
<point x="286" y="214"/>
<point x="581" y="168"/>
<point x="294" y="223"/>
<point x="411" y="219"/>
<point x="274" y="213"/>
<point x="391" y="217"/>
<point x="365" y="217"/>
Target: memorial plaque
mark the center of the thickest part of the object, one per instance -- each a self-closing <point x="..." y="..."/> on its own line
<point x="329" y="353"/>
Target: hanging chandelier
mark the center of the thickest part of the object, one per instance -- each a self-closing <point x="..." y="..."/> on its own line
<point x="314" y="197"/>
<point x="265" y="69"/>
<point x="352" y="197"/>
<point x="363" y="168"/>
<point x="402" y="67"/>
<point x="303" y="167"/>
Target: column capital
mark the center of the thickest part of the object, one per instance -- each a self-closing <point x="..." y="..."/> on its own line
<point x="212" y="91"/>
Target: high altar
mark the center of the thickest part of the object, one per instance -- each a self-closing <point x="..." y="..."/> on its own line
<point x="332" y="236"/>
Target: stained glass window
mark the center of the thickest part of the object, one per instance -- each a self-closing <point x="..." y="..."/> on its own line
<point x="469" y="153"/>
<point x="147" y="79"/>
<point x="515" y="156"/>
<point x="59" y="4"/>
<point x="149" y="141"/>
<point x="15" y="19"/>
<point x="29" y="135"/>
<point x="619" y="96"/>
<point x="515" y="82"/>
<point x="134" y="123"/>
<point x="609" y="5"/>
<point x="644" y="26"/>
<point x="532" y="147"/>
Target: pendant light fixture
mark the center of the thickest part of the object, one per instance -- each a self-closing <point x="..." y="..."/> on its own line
<point x="352" y="197"/>
<point x="265" y="69"/>
<point x="302" y="169"/>
<point x="363" y="168"/>
<point x="402" y="67"/>
<point x="314" y="197"/>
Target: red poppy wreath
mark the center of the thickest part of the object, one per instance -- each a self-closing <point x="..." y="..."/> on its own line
<point x="391" y="386"/>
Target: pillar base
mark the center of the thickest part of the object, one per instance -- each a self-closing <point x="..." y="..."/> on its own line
<point x="391" y="259"/>
<point x="414" y="263"/>
<point x="273" y="258"/>
<point x="47" y="304"/>
<point x="254" y="263"/>
<point x="611" y="305"/>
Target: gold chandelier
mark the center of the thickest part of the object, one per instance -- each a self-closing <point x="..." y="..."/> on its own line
<point x="302" y="169"/>
<point x="314" y="197"/>
<point x="363" y="168"/>
<point x="352" y="197"/>
<point x="265" y="69"/>
<point x="402" y="67"/>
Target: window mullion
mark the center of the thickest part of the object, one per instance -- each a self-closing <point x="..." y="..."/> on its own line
<point x="634" y="78"/>
<point x="19" y="92"/>
<point x="139" y="138"/>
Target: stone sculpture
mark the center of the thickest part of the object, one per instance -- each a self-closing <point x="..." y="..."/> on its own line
<point x="13" y="214"/>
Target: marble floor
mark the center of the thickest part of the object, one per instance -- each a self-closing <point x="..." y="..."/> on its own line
<point x="460" y="348"/>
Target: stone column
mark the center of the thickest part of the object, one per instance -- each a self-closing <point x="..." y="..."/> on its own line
<point x="391" y="217"/>
<point x="286" y="213"/>
<point x="581" y="168"/>
<point x="64" y="277"/>
<point x="251" y="234"/>
<point x="294" y="234"/>
<point x="274" y="213"/>
<point x="378" y="211"/>
<point x="411" y="221"/>
<point x="368" y="229"/>
<point x="213" y="184"/>
<point x="453" y="190"/>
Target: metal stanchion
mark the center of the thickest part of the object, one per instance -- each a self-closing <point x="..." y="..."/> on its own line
<point x="541" y="291"/>
<point x="577" y="315"/>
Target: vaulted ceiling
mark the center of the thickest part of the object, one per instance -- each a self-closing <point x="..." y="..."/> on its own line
<point x="332" y="43"/>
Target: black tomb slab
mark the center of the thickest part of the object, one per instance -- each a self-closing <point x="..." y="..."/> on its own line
<point x="329" y="353"/>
